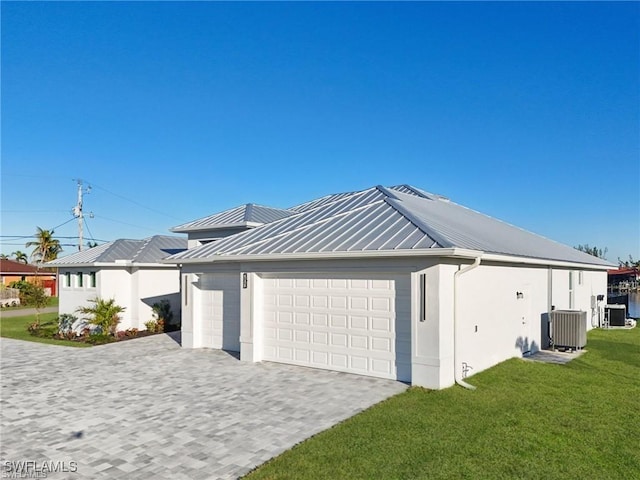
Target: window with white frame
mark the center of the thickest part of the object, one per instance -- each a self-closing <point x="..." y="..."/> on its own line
<point x="79" y="280"/>
<point x="92" y="279"/>
<point x="67" y="279"/>
<point x="571" y="290"/>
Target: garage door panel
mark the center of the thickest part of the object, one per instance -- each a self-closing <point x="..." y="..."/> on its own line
<point x="338" y="321"/>
<point x="381" y="324"/>
<point x="359" y="322"/>
<point x="357" y="341"/>
<point x="320" y="338"/>
<point x="302" y="355"/>
<point x="320" y="320"/>
<point x="358" y="303"/>
<point x="359" y="363"/>
<point x="346" y="324"/>
<point x="320" y="301"/>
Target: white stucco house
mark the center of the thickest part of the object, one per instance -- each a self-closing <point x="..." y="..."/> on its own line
<point x="128" y="271"/>
<point x="392" y="282"/>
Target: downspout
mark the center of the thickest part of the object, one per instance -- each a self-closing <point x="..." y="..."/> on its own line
<point x="458" y="378"/>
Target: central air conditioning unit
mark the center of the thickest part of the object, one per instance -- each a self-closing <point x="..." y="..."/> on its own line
<point x="568" y="329"/>
<point x="616" y="314"/>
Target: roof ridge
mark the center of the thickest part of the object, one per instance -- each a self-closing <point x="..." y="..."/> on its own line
<point x="301" y="228"/>
<point x="344" y="195"/>
<point x="248" y="210"/>
<point x="145" y="242"/>
<point x="396" y="203"/>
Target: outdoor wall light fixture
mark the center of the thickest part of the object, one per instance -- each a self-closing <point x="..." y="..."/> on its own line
<point x="244" y="280"/>
<point x="519" y="295"/>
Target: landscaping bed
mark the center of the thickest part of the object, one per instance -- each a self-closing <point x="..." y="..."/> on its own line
<point x="47" y="332"/>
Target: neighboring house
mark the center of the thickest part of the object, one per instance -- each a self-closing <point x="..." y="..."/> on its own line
<point x="128" y="271"/>
<point x="393" y="282"/>
<point x="624" y="278"/>
<point x="12" y="271"/>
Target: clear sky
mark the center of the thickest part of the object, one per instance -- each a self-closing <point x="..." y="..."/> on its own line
<point x="528" y="112"/>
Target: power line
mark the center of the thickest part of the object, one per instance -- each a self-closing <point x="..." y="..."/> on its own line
<point x="89" y="230"/>
<point x="32" y="211"/>
<point x="128" y="224"/>
<point x="70" y="220"/>
<point x="134" y="202"/>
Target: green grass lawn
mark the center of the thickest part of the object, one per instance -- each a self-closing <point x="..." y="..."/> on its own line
<point x="16" y="327"/>
<point x="526" y="420"/>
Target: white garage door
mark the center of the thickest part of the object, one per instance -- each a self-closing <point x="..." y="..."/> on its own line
<point x="220" y="311"/>
<point x="350" y="323"/>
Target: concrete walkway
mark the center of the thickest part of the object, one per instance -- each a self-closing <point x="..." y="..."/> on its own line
<point x="23" y="312"/>
<point x="148" y="409"/>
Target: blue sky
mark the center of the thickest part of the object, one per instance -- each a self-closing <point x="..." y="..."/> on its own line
<point x="528" y="112"/>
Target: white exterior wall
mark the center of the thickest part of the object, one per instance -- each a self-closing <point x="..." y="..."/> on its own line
<point x="72" y="297"/>
<point x="150" y="286"/>
<point x="116" y="283"/>
<point x="136" y="289"/>
<point x="500" y="313"/>
<point x="502" y="309"/>
<point x="494" y="323"/>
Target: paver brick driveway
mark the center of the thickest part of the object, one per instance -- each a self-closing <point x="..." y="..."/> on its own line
<point x="147" y="408"/>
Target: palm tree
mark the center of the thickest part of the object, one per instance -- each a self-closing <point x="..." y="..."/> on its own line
<point x="20" y="256"/>
<point x="104" y="313"/>
<point x="46" y="248"/>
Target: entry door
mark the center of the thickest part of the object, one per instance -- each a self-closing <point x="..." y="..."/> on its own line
<point x="221" y="311"/>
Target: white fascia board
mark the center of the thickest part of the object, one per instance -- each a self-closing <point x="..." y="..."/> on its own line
<point x="213" y="228"/>
<point x="120" y="263"/>
<point x="495" y="257"/>
<point x="427" y="252"/>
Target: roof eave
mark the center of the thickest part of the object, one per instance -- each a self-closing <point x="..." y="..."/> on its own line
<point x="426" y="252"/>
<point x="498" y="257"/>
<point x="126" y="263"/>
<point x="222" y="226"/>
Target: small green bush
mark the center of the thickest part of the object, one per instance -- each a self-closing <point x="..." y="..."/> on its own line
<point x="31" y="294"/>
<point x="155" y="326"/>
<point x="103" y="313"/>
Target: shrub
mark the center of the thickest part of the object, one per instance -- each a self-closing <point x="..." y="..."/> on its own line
<point x="31" y="294"/>
<point x="65" y="323"/>
<point x="103" y="313"/>
<point x="152" y="326"/>
<point x="162" y="311"/>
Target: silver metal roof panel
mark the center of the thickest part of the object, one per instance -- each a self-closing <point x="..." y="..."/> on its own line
<point x="402" y="217"/>
<point x="243" y="215"/>
<point x="149" y="250"/>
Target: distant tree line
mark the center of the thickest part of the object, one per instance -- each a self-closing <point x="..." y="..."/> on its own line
<point x="595" y="251"/>
<point x="601" y="253"/>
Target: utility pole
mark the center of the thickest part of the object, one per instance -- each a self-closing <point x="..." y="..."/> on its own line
<point x="77" y="211"/>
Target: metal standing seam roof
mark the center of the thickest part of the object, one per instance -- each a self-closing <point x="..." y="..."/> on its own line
<point x="148" y="250"/>
<point x="380" y="219"/>
<point x="249" y="214"/>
